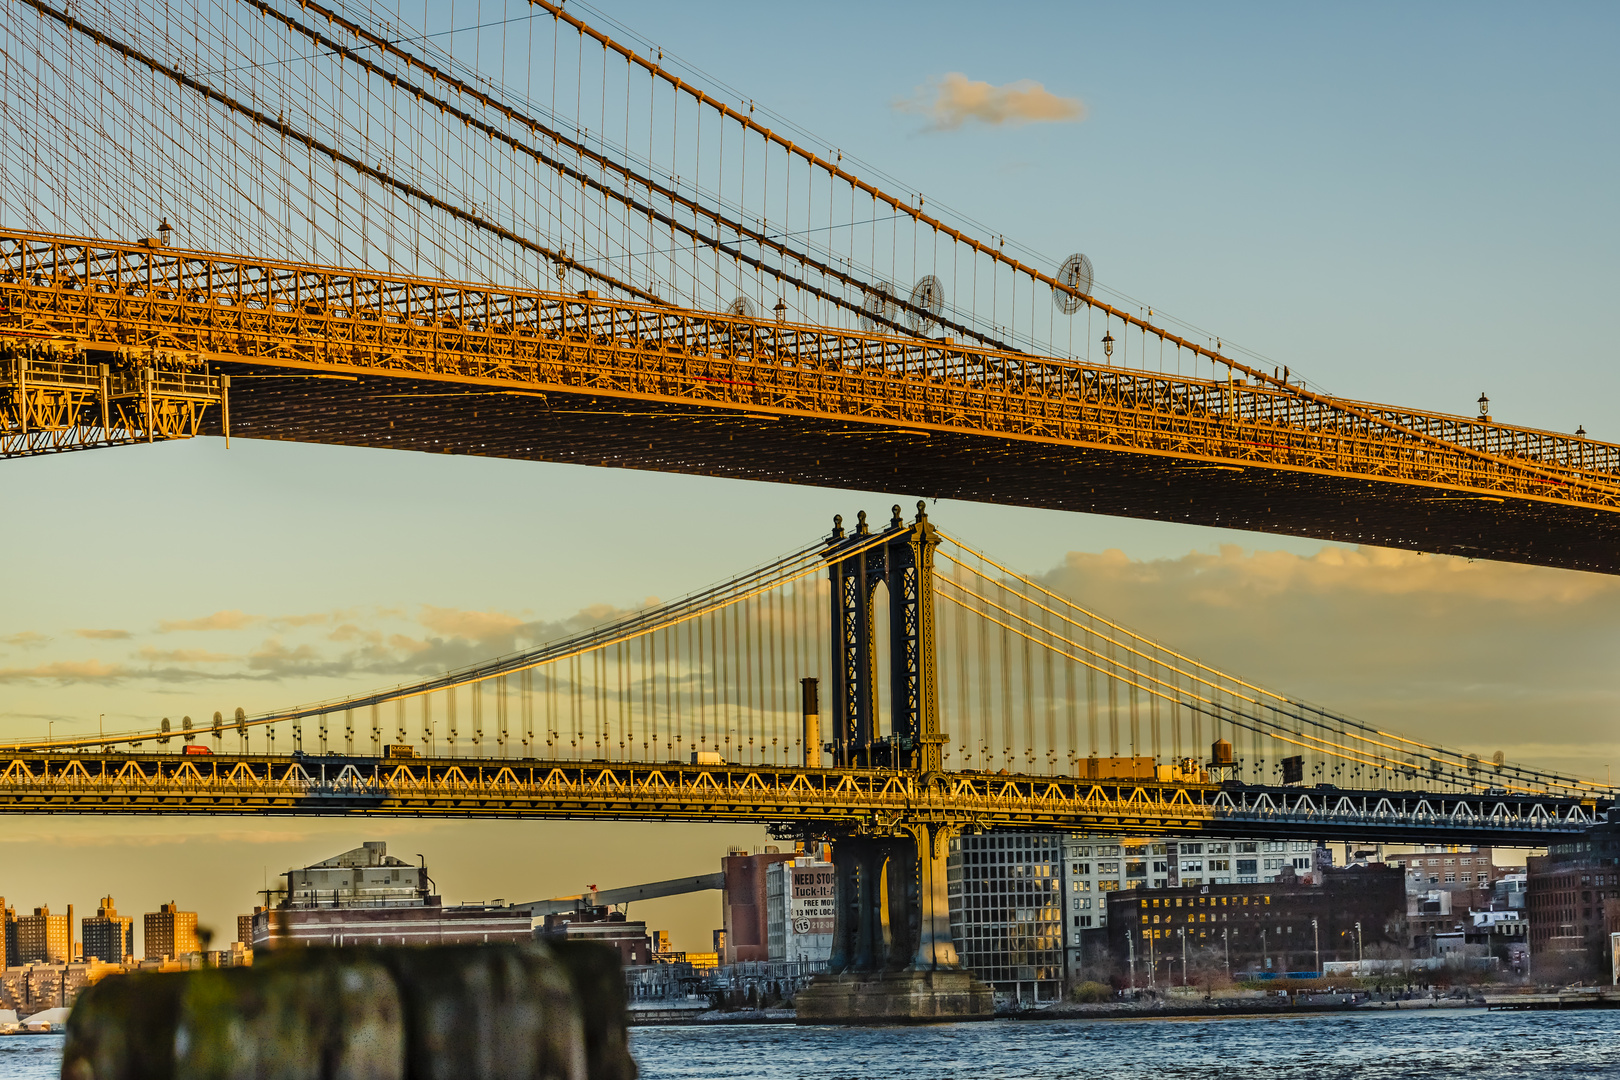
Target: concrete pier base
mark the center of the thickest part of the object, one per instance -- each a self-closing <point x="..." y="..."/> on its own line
<point x="940" y="996"/>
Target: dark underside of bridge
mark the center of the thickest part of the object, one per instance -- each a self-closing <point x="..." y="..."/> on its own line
<point x="579" y="429"/>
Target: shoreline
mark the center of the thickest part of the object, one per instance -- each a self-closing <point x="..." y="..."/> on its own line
<point x="1122" y="1011"/>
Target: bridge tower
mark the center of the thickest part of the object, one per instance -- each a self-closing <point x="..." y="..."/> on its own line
<point x="893" y="957"/>
<point x="902" y="561"/>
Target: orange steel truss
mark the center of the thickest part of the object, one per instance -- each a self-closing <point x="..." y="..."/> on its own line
<point x="115" y="342"/>
<point x="844" y="802"/>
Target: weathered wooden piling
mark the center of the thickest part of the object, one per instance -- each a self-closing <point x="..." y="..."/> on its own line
<point x="495" y="1012"/>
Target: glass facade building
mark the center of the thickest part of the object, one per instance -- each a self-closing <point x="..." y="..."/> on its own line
<point x="1006" y="903"/>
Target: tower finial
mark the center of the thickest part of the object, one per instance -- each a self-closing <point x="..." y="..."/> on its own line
<point x="838" y="527"/>
<point x="922" y="509"/>
<point x="896" y="520"/>
<point x="860" y="524"/>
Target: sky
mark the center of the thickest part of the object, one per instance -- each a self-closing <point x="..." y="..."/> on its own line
<point x="1410" y="204"/>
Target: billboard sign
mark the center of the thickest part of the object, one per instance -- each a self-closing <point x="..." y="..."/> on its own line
<point x="812" y="906"/>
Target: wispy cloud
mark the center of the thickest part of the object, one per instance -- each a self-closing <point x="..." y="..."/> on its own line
<point x="28" y="639"/>
<point x="219" y="620"/>
<point x="183" y="656"/>
<point x="103" y="635"/>
<point x="68" y="671"/>
<point x="952" y="99"/>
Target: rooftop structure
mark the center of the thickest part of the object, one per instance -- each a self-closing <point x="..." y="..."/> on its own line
<point x="366" y="875"/>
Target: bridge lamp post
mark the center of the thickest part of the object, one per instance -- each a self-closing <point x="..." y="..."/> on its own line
<point x="1316" y="936"/>
<point x="1108" y="344"/>
<point x="1226" y="943"/>
<point x="1183" y="932"/>
<point x="1358" y="943"/>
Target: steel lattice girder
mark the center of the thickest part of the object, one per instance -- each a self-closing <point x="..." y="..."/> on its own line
<point x="834" y="800"/>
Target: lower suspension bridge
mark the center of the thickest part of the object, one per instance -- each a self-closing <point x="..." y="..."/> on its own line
<point x="958" y="695"/>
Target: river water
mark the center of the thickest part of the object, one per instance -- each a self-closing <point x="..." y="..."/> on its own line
<point x="1335" y="1046"/>
<point x="1364" y="1046"/>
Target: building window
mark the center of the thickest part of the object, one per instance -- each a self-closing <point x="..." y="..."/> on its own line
<point x="1451" y="878"/>
<point x="1248" y="866"/>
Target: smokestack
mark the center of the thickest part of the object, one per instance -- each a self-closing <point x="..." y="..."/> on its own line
<point x="812" y="723"/>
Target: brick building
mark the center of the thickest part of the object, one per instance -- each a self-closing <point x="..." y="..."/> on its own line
<point x="109" y="936"/>
<point x="1287" y="925"/>
<point x="9" y="914"/>
<point x="604" y="927"/>
<point x="169" y="933"/>
<point x="744" y="905"/>
<point x="43" y="938"/>
<point x="1572" y="893"/>
<point x="364" y="896"/>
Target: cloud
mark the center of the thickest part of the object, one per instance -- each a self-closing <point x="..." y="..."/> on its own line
<point x="68" y="671"/>
<point x="1476" y="655"/>
<point x="25" y="640"/>
<point x="103" y="635"/>
<point x="219" y="620"/>
<point x="183" y="656"/>
<point x="477" y="625"/>
<point x="953" y="99"/>
<point x="293" y="622"/>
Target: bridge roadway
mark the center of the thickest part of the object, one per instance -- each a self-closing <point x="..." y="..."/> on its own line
<point x="791" y="800"/>
<point x="105" y="342"/>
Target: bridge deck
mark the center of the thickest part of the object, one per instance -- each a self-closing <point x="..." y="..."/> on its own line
<point x="812" y="800"/>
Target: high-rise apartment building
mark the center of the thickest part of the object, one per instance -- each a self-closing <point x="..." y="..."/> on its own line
<point x="109" y="936"/>
<point x="43" y="938"/>
<point x="9" y="915"/>
<point x="169" y="932"/>
<point x="244" y="928"/>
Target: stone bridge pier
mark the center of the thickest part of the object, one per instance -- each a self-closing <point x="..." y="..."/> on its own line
<point x="893" y="959"/>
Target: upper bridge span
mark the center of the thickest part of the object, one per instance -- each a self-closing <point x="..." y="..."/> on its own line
<point x="105" y="343"/>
